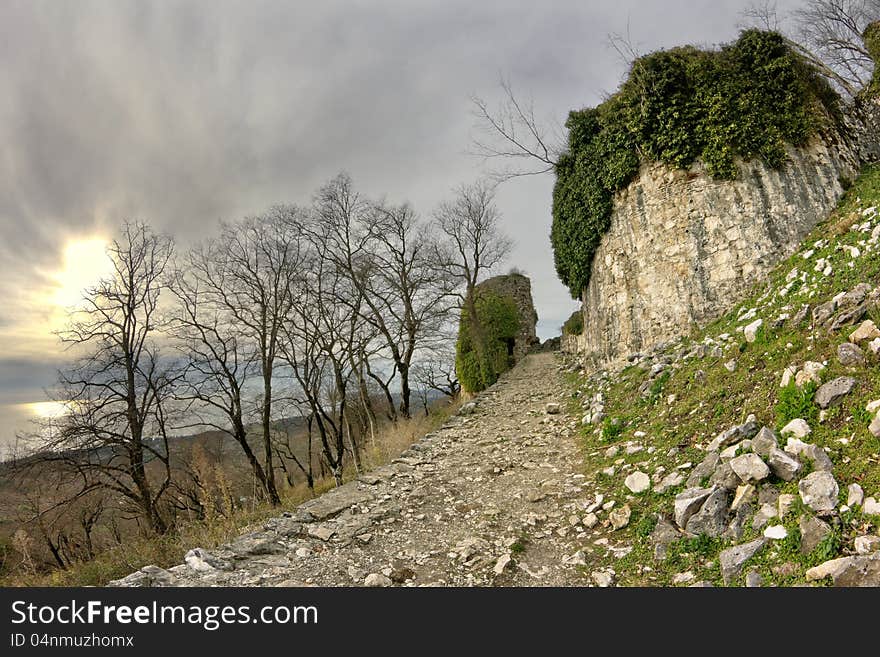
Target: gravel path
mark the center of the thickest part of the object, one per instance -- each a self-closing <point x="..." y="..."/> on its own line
<point x="493" y="498"/>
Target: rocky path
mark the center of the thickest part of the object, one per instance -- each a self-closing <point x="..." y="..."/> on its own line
<point x="493" y="498"/>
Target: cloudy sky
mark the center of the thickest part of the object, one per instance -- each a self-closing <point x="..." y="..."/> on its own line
<point x="183" y="113"/>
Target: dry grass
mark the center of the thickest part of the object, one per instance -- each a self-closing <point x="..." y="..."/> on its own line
<point x="218" y="528"/>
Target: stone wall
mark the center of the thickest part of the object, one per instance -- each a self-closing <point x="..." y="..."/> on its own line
<point x="683" y="248"/>
<point x="519" y="288"/>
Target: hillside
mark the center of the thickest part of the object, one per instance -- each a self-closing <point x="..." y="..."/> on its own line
<point x="693" y="426"/>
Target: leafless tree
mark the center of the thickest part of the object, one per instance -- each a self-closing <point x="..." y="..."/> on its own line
<point x="234" y="294"/>
<point x="512" y="133"/>
<point x="828" y="34"/>
<point x="115" y="432"/>
<point x="473" y="244"/>
<point x="324" y="328"/>
<point x="409" y="296"/>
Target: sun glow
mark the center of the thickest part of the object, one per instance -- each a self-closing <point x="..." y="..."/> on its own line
<point x="85" y="263"/>
<point x="47" y="410"/>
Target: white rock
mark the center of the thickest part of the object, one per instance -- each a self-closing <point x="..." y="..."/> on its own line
<point x="749" y="467"/>
<point x="871" y="507"/>
<point x="867" y="544"/>
<point x="639" y="434"/>
<point x="855" y="496"/>
<point x="874" y="346"/>
<point x="873" y="406"/>
<point x="502" y="563"/>
<point x="867" y="330"/>
<point x="787" y="375"/>
<point x="683" y="578"/>
<point x="637" y="482"/>
<point x="776" y="532"/>
<point x="751" y="331"/>
<point x="603" y="578"/>
<point x="590" y="520"/>
<point x="730" y="366"/>
<point x="797" y="428"/>
<point x="743" y="494"/>
<point x="375" y="580"/>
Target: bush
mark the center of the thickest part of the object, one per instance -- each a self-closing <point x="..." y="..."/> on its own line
<point x="574" y="325"/>
<point x="499" y="323"/>
<point x="795" y="403"/>
<point x="745" y="100"/>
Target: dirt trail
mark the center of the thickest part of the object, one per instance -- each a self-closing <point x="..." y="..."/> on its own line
<point x="492" y="498"/>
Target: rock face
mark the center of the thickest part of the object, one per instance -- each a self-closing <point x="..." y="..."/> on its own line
<point x="519" y="288"/>
<point x="682" y="248"/>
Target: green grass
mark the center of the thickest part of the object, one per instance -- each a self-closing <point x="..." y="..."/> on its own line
<point x="705" y="406"/>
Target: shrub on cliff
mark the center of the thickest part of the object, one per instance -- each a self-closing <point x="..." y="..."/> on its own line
<point x="499" y="323"/>
<point x="745" y="100"/>
<point x="574" y="325"/>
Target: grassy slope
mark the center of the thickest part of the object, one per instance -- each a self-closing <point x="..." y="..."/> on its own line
<point x="679" y="430"/>
<point x="168" y="550"/>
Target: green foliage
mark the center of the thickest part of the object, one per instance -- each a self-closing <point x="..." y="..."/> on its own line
<point x="656" y="388"/>
<point x="574" y="325"/>
<point x="498" y="319"/>
<point x="611" y="429"/>
<point x="745" y="100"/>
<point x="796" y="402"/>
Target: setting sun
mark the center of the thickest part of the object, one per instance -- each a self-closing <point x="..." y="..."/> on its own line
<point x="46" y="410"/>
<point x="85" y="263"/>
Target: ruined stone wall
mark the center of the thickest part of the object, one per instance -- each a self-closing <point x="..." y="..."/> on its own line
<point x="683" y="248"/>
<point x="519" y="288"/>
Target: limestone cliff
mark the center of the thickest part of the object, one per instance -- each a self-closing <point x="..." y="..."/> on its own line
<point x="682" y="247"/>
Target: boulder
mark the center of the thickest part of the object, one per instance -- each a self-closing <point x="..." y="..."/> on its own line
<point x="734" y="558"/>
<point x="750" y="332"/>
<point x="834" y="391"/>
<point x="749" y="468"/>
<point x="704" y="469"/>
<point x="867" y="330"/>
<point x="862" y="570"/>
<point x="637" y="482"/>
<point x="783" y="465"/>
<point x="819" y="491"/>
<point x="764" y="442"/>
<point x="855" y="496"/>
<point x="850" y="355"/>
<point x="812" y="531"/>
<point x="688" y="502"/>
<point x="711" y="519"/>
<point x="797" y="428"/>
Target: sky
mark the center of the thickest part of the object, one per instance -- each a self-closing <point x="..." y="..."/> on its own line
<point x="186" y="113"/>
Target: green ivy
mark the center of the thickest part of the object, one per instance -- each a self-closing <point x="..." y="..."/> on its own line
<point x="746" y="100"/>
<point x="499" y="321"/>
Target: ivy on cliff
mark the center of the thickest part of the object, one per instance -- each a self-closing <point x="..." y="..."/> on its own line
<point x="499" y="323"/>
<point x="745" y="100"/>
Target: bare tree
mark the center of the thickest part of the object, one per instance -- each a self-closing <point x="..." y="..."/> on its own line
<point x="223" y="354"/>
<point x="408" y="295"/>
<point x="473" y="245"/>
<point x="115" y="432"/>
<point x="234" y="295"/>
<point x="828" y="34"/>
<point x="325" y="327"/>
<point x="511" y="132"/>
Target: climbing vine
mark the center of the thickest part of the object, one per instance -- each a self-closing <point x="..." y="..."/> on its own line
<point x="499" y="323"/>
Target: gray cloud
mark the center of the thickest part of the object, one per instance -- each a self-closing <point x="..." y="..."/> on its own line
<point x="183" y="113"/>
